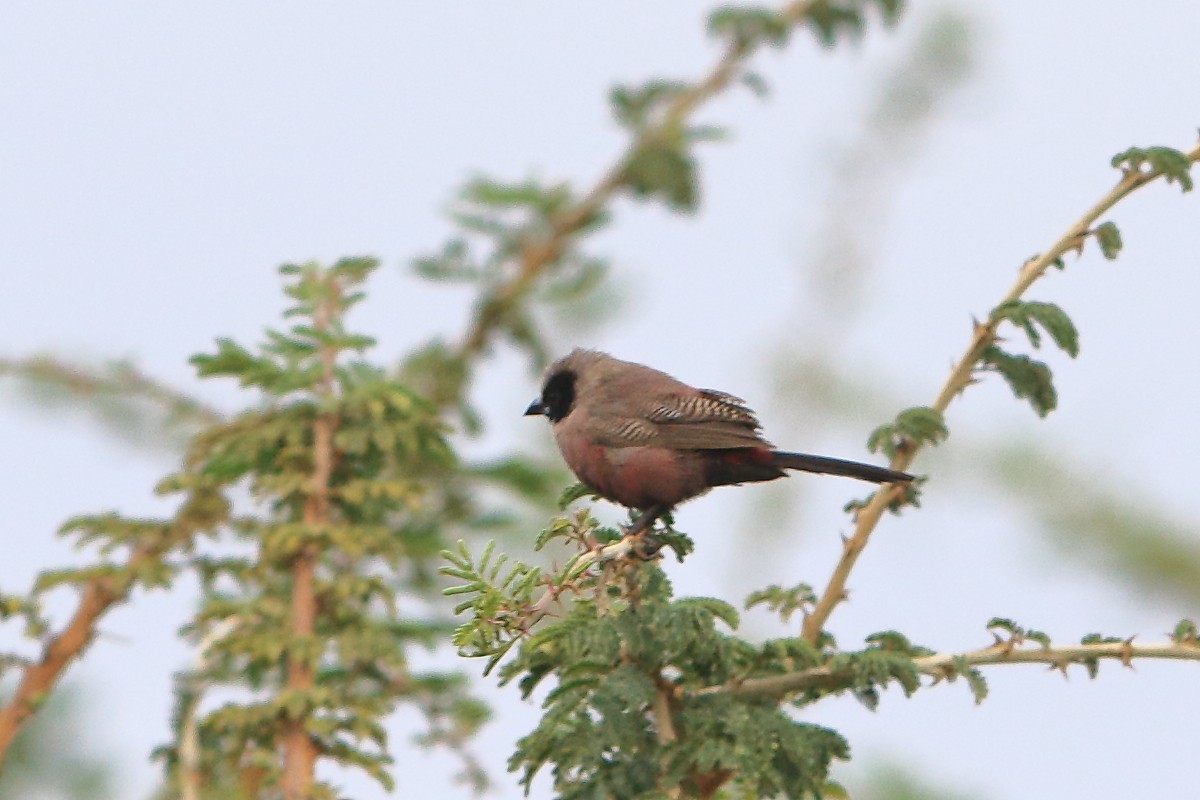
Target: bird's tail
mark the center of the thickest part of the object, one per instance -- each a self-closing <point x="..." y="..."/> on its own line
<point x="837" y="466"/>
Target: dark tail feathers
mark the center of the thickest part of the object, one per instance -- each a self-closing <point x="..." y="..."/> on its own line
<point x="837" y="466"/>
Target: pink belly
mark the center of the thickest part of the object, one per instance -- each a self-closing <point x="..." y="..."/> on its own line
<point x="640" y="477"/>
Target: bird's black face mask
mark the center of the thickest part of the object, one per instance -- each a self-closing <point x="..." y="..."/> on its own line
<point x="558" y="395"/>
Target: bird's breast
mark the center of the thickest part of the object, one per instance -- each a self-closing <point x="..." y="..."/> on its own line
<point x="637" y="477"/>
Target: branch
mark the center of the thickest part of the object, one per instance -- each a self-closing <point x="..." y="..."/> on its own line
<point x="190" y="768"/>
<point x="944" y="665"/>
<point x="299" y="749"/>
<point x="536" y="256"/>
<point x="960" y="378"/>
<point x="1004" y="653"/>
<point x="119" y="379"/>
<point x="38" y="679"/>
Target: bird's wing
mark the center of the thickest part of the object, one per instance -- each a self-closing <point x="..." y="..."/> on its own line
<point x="623" y="432"/>
<point x="705" y="420"/>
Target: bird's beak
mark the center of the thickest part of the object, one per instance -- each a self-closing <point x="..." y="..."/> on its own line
<point x="535" y="409"/>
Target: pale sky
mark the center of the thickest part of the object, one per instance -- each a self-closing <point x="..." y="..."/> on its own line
<point x="157" y="162"/>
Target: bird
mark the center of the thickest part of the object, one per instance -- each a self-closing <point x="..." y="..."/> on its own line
<point x="643" y="439"/>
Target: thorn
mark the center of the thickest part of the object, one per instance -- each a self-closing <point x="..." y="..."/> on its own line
<point x="1127" y="652"/>
<point x="1077" y="243"/>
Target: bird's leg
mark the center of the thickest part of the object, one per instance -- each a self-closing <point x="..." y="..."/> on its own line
<point x="647" y="544"/>
<point x="646" y="520"/>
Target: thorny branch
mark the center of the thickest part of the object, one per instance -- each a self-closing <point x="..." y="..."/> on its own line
<point x="943" y="665"/>
<point x="983" y="335"/>
<point x="536" y="256"/>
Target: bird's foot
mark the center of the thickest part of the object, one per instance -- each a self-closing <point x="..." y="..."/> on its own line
<point x="640" y="537"/>
<point x="642" y="546"/>
<point x="645" y="545"/>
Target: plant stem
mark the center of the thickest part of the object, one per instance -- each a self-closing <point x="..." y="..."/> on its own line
<point x="38" y="679"/>
<point x="942" y="665"/>
<point x="536" y="256"/>
<point x="983" y="335"/>
<point x="299" y="749"/>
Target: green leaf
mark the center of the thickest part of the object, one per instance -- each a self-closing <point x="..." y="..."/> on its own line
<point x="783" y="601"/>
<point x="454" y="263"/>
<point x="354" y="269"/>
<point x="832" y="790"/>
<point x="1025" y="313"/>
<point x="230" y="359"/>
<point x="1007" y="625"/>
<point x="543" y="200"/>
<point x="574" y="492"/>
<point x="1092" y="665"/>
<point x="920" y="425"/>
<point x="975" y="680"/>
<point x="890" y="9"/>
<point x="893" y="641"/>
<point x="663" y="171"/>
<point x="1109" y="238"/>
<point x="1029" y="380"/>
<point x="747" y="27"/>
<point x="634" y="106"/>
<point x="1166" y="161"/>
<point x="832" y="20"/>
<point x="1185" y="632"/>
<point x="756" y="83"/>
<point x="1038" y="636"/>
<point x="717" y="608"/>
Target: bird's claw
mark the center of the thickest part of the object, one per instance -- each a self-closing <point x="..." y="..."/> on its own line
<point x="645" y="545"/>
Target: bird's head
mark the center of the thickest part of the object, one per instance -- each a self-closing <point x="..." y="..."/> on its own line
<point x="560" y="385"/>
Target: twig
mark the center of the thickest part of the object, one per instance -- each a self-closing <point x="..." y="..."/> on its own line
<point x="941" y="665"/>
<point x="190" y="767"/>
<point x="983" y="335"/>
<point x="121" y="379"/>
<point x="1003" y="653"/>
<point x="99" y="594"/>
<point x="536" y="256"/>
<point x="664" y="723"/>
<point x="602" y="554"/>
